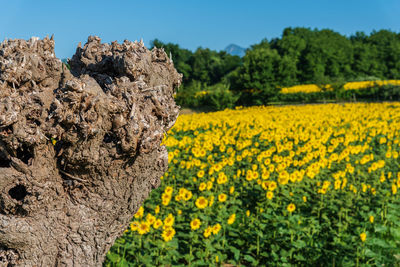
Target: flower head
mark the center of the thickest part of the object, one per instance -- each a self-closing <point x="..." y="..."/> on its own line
<point x="232" y="218"/>
<point x="363" y="236"/>
<point x="201" y="202"/>
<point x="291" y="207"/>
<point x="168" y="234"/>
<point x="195" y="224"/>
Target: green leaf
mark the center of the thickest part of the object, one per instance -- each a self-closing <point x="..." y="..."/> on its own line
<point x="123" y="263"/>
<point x="236" y="253"/>
<point x="250" y="259"/>
<point x="369" y="253"/>
<point x="299" y="243"/>
<point x="380" y="228"/>
<point x="379" y="242"/>
<point x="114" y="258"/>
<point x="395" y="232"/>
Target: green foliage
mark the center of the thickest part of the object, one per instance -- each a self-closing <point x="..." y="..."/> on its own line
<point x="301" y="56"/>
<point x="220" y="97"/>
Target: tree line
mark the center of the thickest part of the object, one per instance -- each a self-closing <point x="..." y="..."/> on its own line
<point x="300" y="56"/>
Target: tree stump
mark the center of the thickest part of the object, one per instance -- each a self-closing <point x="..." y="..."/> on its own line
<point x="80" y="149"/>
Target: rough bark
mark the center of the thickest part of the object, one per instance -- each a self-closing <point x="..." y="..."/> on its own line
<point x="80" y="149"/>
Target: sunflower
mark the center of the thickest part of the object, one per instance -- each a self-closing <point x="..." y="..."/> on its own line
<point x="187" y="195"/>
<point x="157" y="209"/>
<point x="200" y="174"/>
<point x="134" y="225"/>
<point x="201" y="202"/>
<point x="139" y="213"/>
<point x="150" y="219"/>
<point x="143" y="228"/>
<point x="216" y="228"/>
<point x="270" y="195"/>
<point x="231" y="190"/>
<point x="371" y="219"/>
<point x="202" y="186"/>
<point x="209" y="185"/>
<point x="283" y="177"/>
<point x="291" y="207"/>
<point x="363" y="236"/>
<point x="272" y="185"/>
<point x="222" y="197"/>
<point x="394" y="189"/>
<point x="157" y="224"/>
<point x="168" y="190"/>
<point x="207" y="232"/>
<point x="232" y="218"/>
<point x="169" y="221"/>
<point x="211" y="202"/>
<point x="195" y="224"/>
<point x="168" y="234"/>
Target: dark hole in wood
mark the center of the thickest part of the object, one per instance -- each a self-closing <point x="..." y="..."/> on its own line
<point x="24" y="153"/>
<point x="4" y="162"/>
<point x="107" y="138"/>
<point x="18" y="192"/>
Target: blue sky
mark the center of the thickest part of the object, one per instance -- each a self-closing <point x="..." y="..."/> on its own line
<point x="213" y="24"/>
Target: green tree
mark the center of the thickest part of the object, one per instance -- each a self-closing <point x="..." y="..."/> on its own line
<point x="258" y="74"/>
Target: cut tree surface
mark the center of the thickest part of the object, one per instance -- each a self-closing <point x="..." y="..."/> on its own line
<point x="80" y="149"/>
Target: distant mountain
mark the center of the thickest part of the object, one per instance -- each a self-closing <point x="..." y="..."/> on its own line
<point x="235" y="50"/>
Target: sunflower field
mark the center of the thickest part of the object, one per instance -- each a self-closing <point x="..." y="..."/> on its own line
<point x="313" y="185"/>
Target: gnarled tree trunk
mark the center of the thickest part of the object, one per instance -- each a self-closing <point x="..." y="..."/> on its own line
<point x="80" y="149"/>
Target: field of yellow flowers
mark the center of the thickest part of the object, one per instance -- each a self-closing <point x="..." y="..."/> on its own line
<point x="313" y="88"/>
<point x="313" y="185"/>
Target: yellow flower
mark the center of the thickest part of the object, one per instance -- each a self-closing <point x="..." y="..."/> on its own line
<point x="222" y="197"/>
<point x="363" y="236"/>
<point x="134" y="225"/>
<point x="269" y="195"/>
<point x="139" y="213"/>
<point x="200" y="174"/>
<point x="157" y="224"/>
<point x="195" y="224"/>
<point x="247" y="213"/>
<point x="207" y="232"/>
<point x="165" y="202"/>
<point x="394" y="189"/>
<point x="169" y="220"/>
<point x="291" y="207"/>
<point x="157" y="209"/>
<point x="168" y="190"/>
<point x="209" y="185"/>
<point x="216" y="228"/>
<point x="283" y="178"/>
<point x="211" y="202"/>
<point x="202" y="186"/>
<point x="201" y="203"/>
<point x="168" y="234"/>
<point x="272" y="186"/>
<point x="231" y="190"/>
<point x="143" y="228"/>
<point x="304" y="198"/>
<point x="187" y="195"/>
<point x="371" y="219"/>
<point x="232" y="218"/>
<point x="150" y="219"/>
